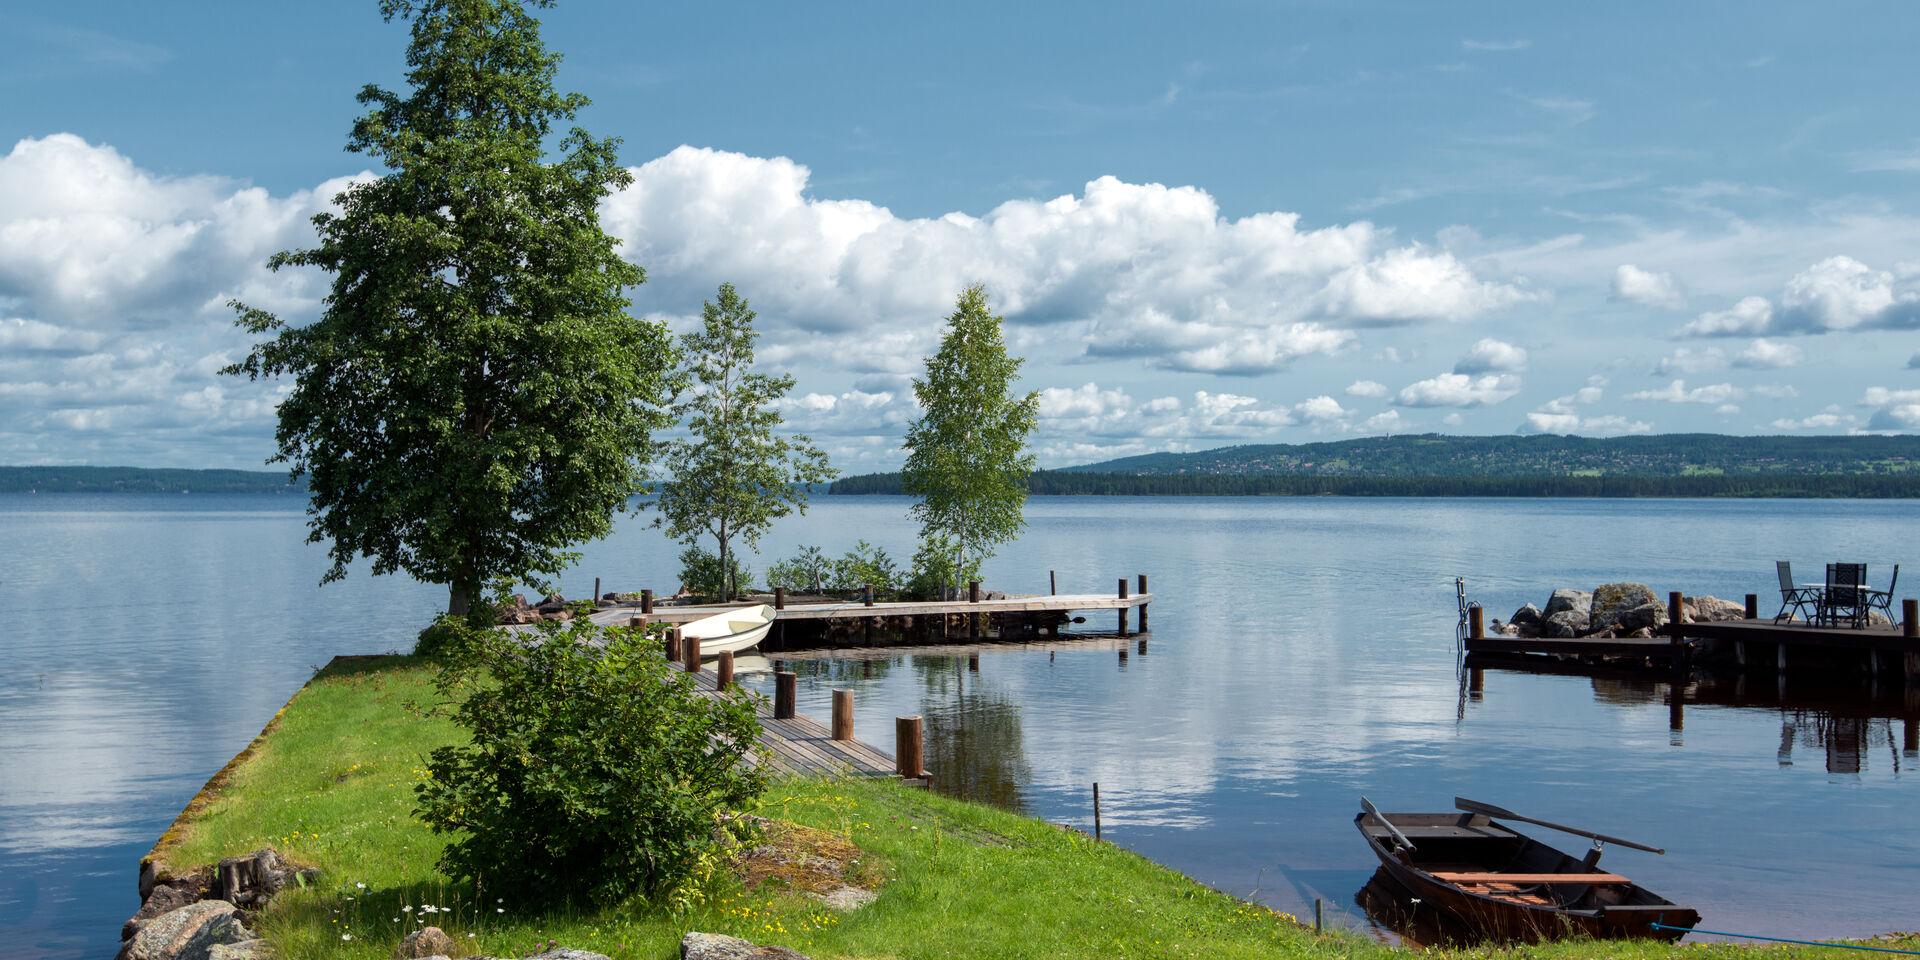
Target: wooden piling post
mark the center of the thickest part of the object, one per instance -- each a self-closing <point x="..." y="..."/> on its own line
<point x="868" y="598"/>
<point x="723" y="671"/>
<point x="1477" y="623"/>
<point x="1676" y="604"/>
<point x="1053" y="585"/>
<point x="779" y="598"/>
<point x="690" y="653"/>
<point x="1143" y="607"/>
<point x="909" y="750"/>
<point x="1319" y="911"/>
<point x="843" y="714"/>
<point x="1910" y="618"/>
<point x="786" y="686"/>
<point x="1096" y="810"/>
<point x="973" y="619"/>
<point x="637" y="622"/>
<point x="1910" y="736"/>
<point x="673" y="644"/>
<point x="1476" y="682"/>
<point x="646" y="601"/>
<point x="596" y="590"/>
<point x="1753" y="606"/>
<point x="973" y="663"/>
<point x="1123" y="610"/>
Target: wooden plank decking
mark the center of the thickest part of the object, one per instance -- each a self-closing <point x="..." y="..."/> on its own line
<point x="801" y="745"/>
<point x="1879" y="637"/>
<point x="854" y="609"/>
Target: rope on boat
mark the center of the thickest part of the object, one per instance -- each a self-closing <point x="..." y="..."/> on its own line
<point x="1805" y="943"/>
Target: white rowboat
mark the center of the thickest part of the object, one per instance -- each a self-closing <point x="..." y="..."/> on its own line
<point x="735" y="630"/>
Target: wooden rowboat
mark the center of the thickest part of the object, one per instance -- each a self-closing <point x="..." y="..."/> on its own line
<point x="1507" y="886"/>
<point x="734" y="630"/>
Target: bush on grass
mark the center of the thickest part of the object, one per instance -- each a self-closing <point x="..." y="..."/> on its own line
<point x="595" y="771"/>
<point x="702" y="575"/>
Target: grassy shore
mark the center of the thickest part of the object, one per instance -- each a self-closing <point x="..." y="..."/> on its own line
<point x="331" y="785"/>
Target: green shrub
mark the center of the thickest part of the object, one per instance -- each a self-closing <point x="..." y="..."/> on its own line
<point x="807" y="570"/>
<point x="863" y="565"/>
<point x="440" y="637"/>
<point x="701" y="575"/>
<point x="934" y="570"/>
<point x="594" y="773"/>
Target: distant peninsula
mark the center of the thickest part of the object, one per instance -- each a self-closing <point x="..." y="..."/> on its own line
<point x="143" y="480"/>
<point x="1437" y="465"/>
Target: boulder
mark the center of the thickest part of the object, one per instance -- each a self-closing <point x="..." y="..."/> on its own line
<point x="714" y="946"/>
<point x="424" y="942"/>
<point x="1527" y="616"/>
<point x="189" y="933"/>
<point x="1647" y="616"/>
<point x="1711" y="610"/>
<point x="1564" y="600"/>
<point x="244" y="950"/>
<point x="253" y="879"/>
<point x="1612" y="600"/>
<point x="167" y="894"/>
<point x="1565" y="625"/>
<point x="1640" y="633"/>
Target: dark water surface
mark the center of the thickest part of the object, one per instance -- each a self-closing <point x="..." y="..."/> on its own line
<point x="1302" y="654"/>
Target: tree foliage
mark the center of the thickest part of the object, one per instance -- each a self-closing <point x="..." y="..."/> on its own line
<point x="474" y="397"/>
<point x="966" y="459"/>
<point x="734" y="474"/>
<point x="594" y="772"/>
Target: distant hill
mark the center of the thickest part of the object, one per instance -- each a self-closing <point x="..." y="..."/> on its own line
<point x="1671" y="465"/>
<point x="143" y="480"/>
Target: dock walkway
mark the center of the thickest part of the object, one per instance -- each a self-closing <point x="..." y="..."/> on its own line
<point x="801" y="745"/>
<point x="854" y="609"/>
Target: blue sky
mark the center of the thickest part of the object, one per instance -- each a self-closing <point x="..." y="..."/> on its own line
<point x="1236" y="223"/>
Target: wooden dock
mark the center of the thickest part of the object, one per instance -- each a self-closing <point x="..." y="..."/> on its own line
<point x="801" y="745"/>
<point x="1752" y="642"/>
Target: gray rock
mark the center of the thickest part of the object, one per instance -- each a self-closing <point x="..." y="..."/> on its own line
<point x="1647" y="616"/>
<point x="244" y="950"/>
<point x="714" y="946"/>
<point x="569" y="953"/>
<point x="254" y="879"/>
<point x="1565" y="625"/>
<point x="1564" y="600"/>
<point x="1612" y="600"/>
<point x="424" y="942"/>
<point x="1711" y="610"/>
<point x="168" y="895"/>
<point x="188" y="933"/>
<point x="846" y="897"/>
<point x="1528" y="615"/>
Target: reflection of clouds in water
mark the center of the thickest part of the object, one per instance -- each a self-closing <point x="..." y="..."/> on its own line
<point x="53" y="828"/>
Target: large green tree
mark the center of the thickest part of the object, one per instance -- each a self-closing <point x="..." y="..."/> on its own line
<point x="474" y="397"/>
<point x="734" y="473"/>
<point x="966" y="458"/>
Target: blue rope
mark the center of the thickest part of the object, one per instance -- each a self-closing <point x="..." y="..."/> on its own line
<point x="1808" y="943"/>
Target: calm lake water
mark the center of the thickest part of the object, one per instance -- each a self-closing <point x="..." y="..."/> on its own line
<point x="1302" y="654"/>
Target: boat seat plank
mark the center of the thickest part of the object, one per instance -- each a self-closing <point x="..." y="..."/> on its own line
<point x="1450" y="877"/>
<point x="1444" y="832"/>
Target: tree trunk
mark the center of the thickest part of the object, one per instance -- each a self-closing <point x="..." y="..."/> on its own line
<point x="726" y="569"/>
<point x="461" y="598"/>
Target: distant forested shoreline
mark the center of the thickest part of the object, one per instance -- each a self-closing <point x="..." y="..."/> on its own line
<point x="143" y="480"/>
<point x="1436" y="465"/>
<point x="1065" y="483"/>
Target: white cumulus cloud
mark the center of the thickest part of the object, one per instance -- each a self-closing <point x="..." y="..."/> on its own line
<point x="1492" y="356"/>
<point x="1648" y="288"/>
<point x="1374" y="389"/>
<point x="1459" y="390"/>
<point x="1835" y="295"/>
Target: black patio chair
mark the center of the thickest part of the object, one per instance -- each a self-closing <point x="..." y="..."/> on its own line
<point x="1794" y="598"/>
<point x="1882" y="600"/>
<point x="1846" y="593"/>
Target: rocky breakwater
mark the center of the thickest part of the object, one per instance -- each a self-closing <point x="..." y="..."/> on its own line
<point x="1610" y="610"/>
<point x="203" y="914"/>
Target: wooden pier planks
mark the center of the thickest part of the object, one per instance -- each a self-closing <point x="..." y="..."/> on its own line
<point x="855" y="609"/>
<point x="802" y="745"/>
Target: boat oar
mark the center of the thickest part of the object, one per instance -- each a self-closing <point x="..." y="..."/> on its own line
<point x="1375" y="813"/>
<point x="1475" y="806"/>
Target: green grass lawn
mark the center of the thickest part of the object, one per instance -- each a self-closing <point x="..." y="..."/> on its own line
<point x="331" y="785"/>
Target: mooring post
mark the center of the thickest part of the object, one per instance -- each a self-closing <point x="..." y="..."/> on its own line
<point x="867" y="599"/>
<point x="690" y="653"/>
<point x="1910" y="736"/>
<point x="646" y="601"/>
<point x="1123" y="610"/>
<point x="973" y="619"/>
<point x="723" y="671"/>
<point x="785" y="687"/>
<point x="1053" y="585"/>
<point x="1476" y="683"/>
<point x="636" y="622"/>
<point x="1143" y="607"/>
<point x="1753" y="606"/>
<point x="673" y="644"/>
<point x="779" y="598"/>
<point x="973" y="663"/>
<point x="596" y="591"/>
<point x="909" y="751"/>
<point x="1477" y="623"/>
<point x="779" y="622"/>
<point x="1096" y="810"/>
<point x="1318" y="918"/>
<point x="843" y="714"/>
<point x="1910" y="628"/>
<point x="1910" y="618"/>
